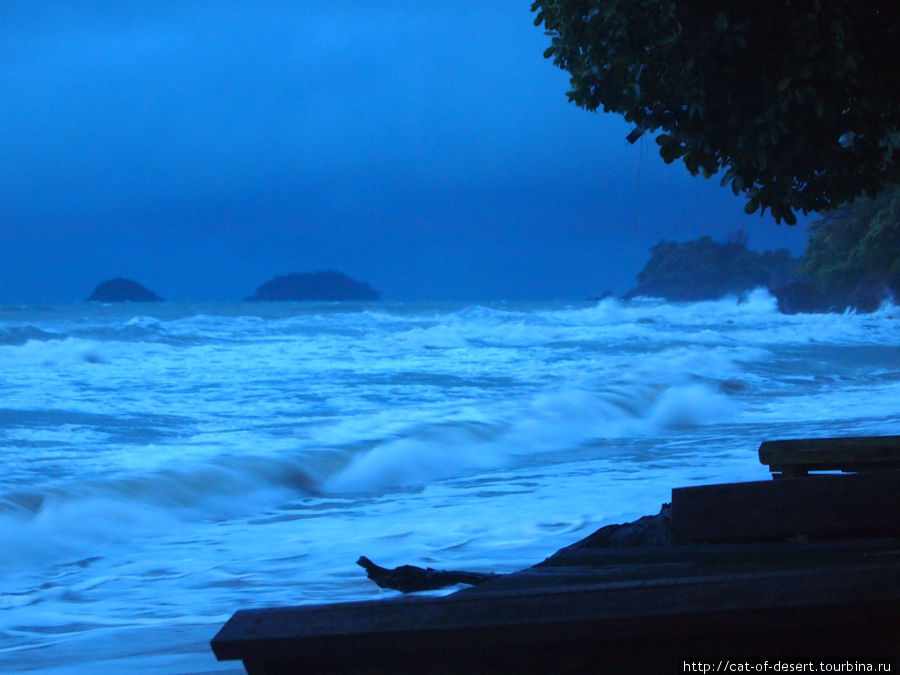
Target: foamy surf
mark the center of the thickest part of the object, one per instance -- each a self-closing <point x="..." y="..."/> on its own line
<point x="164" y="466"/>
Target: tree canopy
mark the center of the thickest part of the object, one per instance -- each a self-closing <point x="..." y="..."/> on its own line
<point x="798" y="101"/>
<point x="857" y="245"/>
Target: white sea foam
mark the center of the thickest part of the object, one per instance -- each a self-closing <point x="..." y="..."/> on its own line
<point x="167" y="467"/>
<point x="691" y="406"/>
<point x="554" y="421"/>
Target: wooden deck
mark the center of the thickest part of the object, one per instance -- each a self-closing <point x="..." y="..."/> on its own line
<point x="828" y="506"/>
<point x="793" y="569"/>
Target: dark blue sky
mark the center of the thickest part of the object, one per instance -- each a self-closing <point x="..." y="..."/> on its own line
<point x="427" y="148"/>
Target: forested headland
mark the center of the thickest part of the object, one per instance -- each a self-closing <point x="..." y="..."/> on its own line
<point x="795" y="105"/>
<point x="705" y="269"/>
<point x="852" y="260"/>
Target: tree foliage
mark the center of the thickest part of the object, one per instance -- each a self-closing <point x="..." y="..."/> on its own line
<point x="857" y="245"/>
<point x="798" y="101"/>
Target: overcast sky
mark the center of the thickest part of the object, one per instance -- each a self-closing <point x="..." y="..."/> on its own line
<point x="427" y="148"/>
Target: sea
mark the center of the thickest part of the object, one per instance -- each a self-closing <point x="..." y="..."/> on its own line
<point x="163" y="465"/>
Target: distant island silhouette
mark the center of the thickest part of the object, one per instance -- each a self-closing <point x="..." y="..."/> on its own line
<point x="122" y="290"/>
<point x="323" y="286"/>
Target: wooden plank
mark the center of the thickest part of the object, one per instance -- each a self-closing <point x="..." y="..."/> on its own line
<point x="831" y="611"/>
<point x="834" y="550"/>
<point x="841" y="505"/>
<point x="864" y="453"/>
<point x="584" y="568"/>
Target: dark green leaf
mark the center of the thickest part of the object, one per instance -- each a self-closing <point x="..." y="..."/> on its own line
<point x="751" y="206"/>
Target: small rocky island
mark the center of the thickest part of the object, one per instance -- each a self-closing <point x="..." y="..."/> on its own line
<point x="328" y="286"/>
<point x="122" y="290"/>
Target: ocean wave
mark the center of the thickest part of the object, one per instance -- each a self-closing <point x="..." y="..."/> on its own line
<point x="19" y="335"/>
<point x="563" y="420"/>
<point x="173" y="462"/>
<point x="477" y="440"/>
<point x="59" y="351"/>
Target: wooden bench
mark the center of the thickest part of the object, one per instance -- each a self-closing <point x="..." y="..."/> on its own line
<point x="794" y="458"/>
